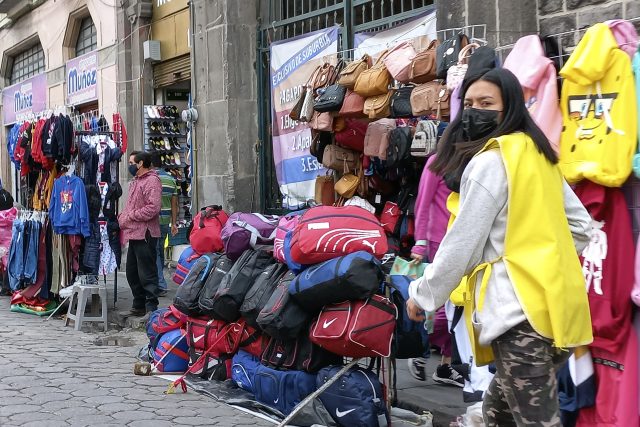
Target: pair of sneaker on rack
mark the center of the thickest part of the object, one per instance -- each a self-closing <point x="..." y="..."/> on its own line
<point x="177" y="174"/>
<point x="162" y="112"/>
<point x="170" y="159"/>
<point x="164" y="143"/>
<point x="165" y="128"/>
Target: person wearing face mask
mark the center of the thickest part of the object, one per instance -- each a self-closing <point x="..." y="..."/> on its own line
<point x="511" y="249"/>
<point x="139" y="222"/>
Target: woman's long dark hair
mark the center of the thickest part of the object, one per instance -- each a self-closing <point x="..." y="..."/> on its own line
<point x="454" y="153"/>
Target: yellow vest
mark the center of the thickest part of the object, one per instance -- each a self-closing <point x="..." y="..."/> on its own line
<point x="539" y="253"/>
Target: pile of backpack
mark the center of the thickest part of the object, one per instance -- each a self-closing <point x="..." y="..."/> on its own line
<point x="276" y="304"/>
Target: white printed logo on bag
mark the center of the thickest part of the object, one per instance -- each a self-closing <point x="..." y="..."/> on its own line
<point x="341" y="414"/>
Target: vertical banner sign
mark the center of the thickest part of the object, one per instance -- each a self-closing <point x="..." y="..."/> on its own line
<point x="25" y="98"/>
<point x="292" y="63"/>
<point x="82" y="79"/>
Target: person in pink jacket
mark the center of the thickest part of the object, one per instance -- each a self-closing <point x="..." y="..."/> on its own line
<point x="140" y="226"/>
<point x="538" y="78"/>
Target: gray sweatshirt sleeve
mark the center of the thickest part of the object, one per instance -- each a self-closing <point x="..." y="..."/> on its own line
<point x="578" y="217"/>
<point x="462" y="247"/>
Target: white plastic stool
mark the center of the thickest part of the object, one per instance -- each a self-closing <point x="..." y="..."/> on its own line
<point x="81" y="292"/>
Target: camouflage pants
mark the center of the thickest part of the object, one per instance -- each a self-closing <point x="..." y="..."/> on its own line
<point x="524" y="391"/>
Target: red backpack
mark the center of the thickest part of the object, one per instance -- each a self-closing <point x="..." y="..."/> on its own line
<point x="207" y="227"/>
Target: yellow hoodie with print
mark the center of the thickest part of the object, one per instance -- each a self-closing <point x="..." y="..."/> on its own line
<point x="599" y="114"/>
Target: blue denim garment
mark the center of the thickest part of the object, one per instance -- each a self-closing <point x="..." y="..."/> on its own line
<point x="164" y="231"/>
<point x="31" y="248"/>
<point x="16" y="254"/>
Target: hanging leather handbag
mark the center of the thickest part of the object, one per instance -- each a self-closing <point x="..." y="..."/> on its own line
<point x="351" y="71"/>
<point x="322" y="122"/>
<point x="378" y="107"/>
<point x="323" y="78"/>
<point x="338" y="158"/>
<point x="353" y="105"/>
<point x="423" y="65"/>
<point x="296" y="111"/>
<point x="376" y="139"/>
<point x="456" y="73"/>
<point x="377" y="184"/>
<point x="447" y="54"/>
<point x="319" y="142"/>
<point x="331" y="99"/>
<point x="398" y="61"/>
<point x="401" y="102"/>
<point x="324" y="191"/>
<point x="352" y="136"/>
<point x="375" y="80"/>
<point x="430" y="98"/>
<point x="347" y="185"/>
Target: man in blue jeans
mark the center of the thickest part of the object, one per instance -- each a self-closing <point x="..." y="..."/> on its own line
<point x="168" y="218"/>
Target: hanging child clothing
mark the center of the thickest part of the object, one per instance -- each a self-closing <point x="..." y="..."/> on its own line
<point x="68" y="209"/>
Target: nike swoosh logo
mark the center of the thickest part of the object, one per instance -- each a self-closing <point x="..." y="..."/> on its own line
<point x="328" y="323"/>
<point x="277" y="400"/>
<point x="341" y="414"/>
<point x="196" y="339"/>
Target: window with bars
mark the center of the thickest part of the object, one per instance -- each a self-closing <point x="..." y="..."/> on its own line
<point x="27" y="64"/>
<point x="87" y="37"/>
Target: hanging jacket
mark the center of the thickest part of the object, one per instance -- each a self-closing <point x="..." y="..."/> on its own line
<point x="62" y="139"/>
<point x="544" y="226"/>
<point x="12" y="141"/>
<point x="6" y="222"/>
<point x="636" y="73"/>
<point x="118" y="126"/>
<point x="68" y="210"/>
<point x="142" y="211"/>
<point x="607" y="264"/>
<point x="635" y="293"/>
<point x="537" y="75"/>
<point x="599" y="111"/>
<point x="431" y="214"/>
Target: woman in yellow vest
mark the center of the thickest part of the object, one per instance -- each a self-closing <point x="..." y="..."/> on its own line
<point x="511" y="250"/>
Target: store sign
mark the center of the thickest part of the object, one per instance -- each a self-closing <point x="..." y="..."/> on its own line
<point x="82" y="79"/>
<point x="25" y="98"/>
<point x="292" y="62"/>
<point x="177" y="95"/>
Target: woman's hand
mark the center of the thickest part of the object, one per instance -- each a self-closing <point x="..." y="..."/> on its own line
<point x="416" y="258"/>
<point x="414" y="311"/>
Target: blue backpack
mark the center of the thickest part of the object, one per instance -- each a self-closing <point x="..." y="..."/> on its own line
<point x="407" y="339"/>
<point x="350" y="277"/>
<point x="188" y="257"/>
<point x="243" y="370"/>
<point x="355" y="399"/>
<point x="282" y="390"/>
<point x="152" y="334"/>
<point x="178" y="358"/>
<point x="293" y="266"/>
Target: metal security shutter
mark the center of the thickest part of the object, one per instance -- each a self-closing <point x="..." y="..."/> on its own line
<point x="172" y="71"/>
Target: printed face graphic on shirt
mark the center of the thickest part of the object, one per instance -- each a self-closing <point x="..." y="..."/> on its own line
<point x="67" y="201"/>
<point x="593" y="115"/>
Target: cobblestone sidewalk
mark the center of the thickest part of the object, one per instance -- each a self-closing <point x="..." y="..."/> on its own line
<point x="53" y="376"/>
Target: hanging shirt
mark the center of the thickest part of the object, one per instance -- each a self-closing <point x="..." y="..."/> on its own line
<point x="68" y="208"/>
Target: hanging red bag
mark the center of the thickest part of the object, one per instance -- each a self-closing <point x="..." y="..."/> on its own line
<point x="389" y="217"/>
<point x="205" y="236"/>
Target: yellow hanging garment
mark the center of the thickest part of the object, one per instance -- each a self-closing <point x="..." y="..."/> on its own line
<point x="539" y="253"/>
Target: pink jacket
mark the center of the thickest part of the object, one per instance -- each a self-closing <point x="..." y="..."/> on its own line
<point x="625" y="34"/>
<point x="6" y="224"/>
<point x="142" y="211"/>
<point x="537" y="75"/>
<point x="635" y="292"/>
<point x="431" y="214"/>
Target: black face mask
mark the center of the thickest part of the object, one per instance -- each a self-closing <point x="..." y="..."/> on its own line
<point x="477" y="123"/>
<point x="133" y="169"/>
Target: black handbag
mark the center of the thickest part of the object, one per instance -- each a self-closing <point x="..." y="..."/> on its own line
<point x="399" y="148"/>
<point x="331" y="99"/>
<point x="447" y="54"/>
<point x="401" y="102"/>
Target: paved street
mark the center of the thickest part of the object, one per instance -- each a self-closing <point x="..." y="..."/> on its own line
<point x="54" y="376"/>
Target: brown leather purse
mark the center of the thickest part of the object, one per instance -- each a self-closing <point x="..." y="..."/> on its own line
<point x="430" y="98"/>
<point x="324" y="77"/>
<point x="339" y="158"/>
<point x="379" y="106"/>
<point x="423" y="65"/>
<point x="351" y="71"/>
<point x="353" y="105"/>
<point x="322" y="122"/>
<point x="375" y="80"/>
<point x="324" y="191"/>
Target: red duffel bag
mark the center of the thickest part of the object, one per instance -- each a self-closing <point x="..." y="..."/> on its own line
<point x="204" y="334"/>
<point x="327" y="232"/>
<point x="356" y="328"/>
<point x="205" y="235"/>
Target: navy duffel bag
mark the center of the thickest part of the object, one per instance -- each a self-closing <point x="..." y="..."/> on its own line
<point x="351" y="277"/>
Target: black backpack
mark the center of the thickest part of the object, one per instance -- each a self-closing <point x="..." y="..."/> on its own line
<point x="6" y="200"/>
<point x="260" y="293"/>
<point x="282" y="317"/>
<point x="299" y="354"/>
<point x="205" y="301"/>
<point x="235" y="284"/>
<point x="187" y="295"/>
<point x="399" y="148"/>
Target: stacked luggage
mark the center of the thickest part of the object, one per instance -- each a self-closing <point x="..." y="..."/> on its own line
<point x="279" y="319"/>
